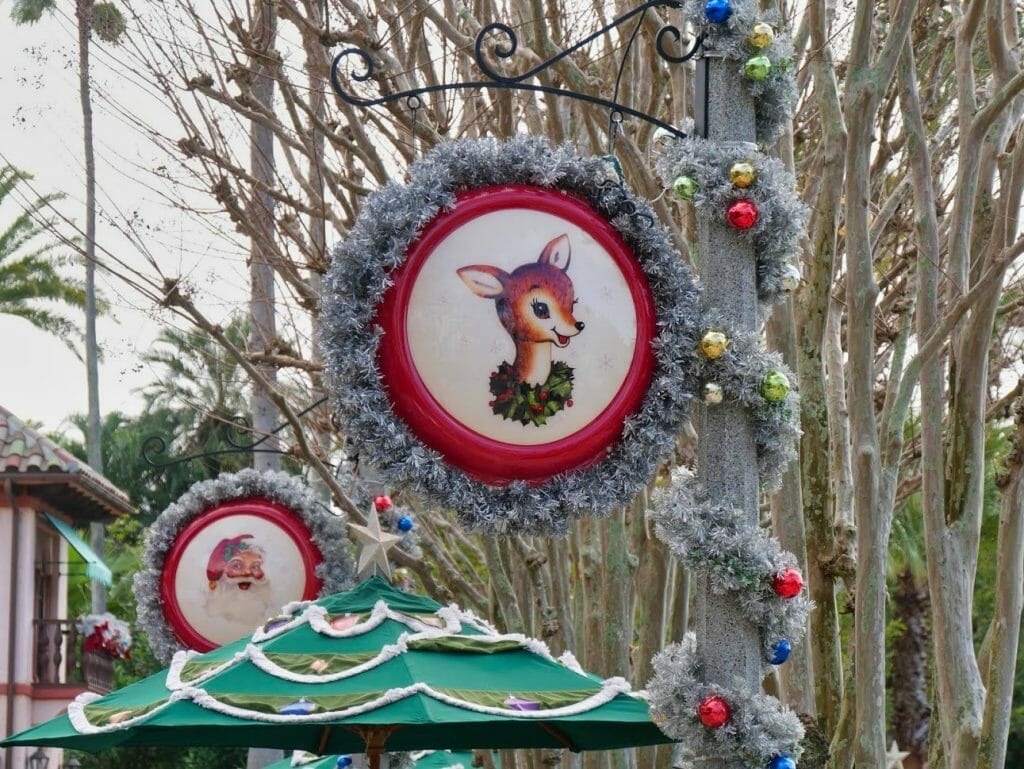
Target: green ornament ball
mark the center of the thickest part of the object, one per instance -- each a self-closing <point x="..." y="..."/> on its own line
<point x="775" y="387"/>
<point x="757" y="68"/>
<point x="685" y="187"/>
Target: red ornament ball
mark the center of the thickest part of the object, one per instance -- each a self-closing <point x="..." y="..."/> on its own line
<point x="742" y="214"/>
<point x="382" y="503"/>
<point x="713" y="712"/>
<point x="788" y="583"/>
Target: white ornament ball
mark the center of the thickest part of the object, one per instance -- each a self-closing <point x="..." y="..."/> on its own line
<point x="791" y="278"/>
<point x="713" y="394"/>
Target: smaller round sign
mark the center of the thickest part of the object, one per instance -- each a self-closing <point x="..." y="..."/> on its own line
<point x="233" y="567"/>
<point x="230" y="553"/>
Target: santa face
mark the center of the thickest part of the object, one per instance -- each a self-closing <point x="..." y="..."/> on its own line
<point x="245" y="568"/>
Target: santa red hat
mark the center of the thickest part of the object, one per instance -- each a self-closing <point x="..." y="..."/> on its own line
<point x="222" y="553"/>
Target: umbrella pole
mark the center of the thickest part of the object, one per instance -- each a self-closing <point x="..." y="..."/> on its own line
<point x="375" y="737"/>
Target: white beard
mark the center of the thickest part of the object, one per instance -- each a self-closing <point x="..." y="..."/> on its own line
<point x="249" y="608"/>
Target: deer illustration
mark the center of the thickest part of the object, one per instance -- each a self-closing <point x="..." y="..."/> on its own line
<point x="534" y="304"/>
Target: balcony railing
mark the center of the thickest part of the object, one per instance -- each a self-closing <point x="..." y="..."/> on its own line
<point x="59" y="660"/>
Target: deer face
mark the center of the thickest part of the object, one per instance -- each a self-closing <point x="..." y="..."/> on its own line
<point x="534" y="301"/>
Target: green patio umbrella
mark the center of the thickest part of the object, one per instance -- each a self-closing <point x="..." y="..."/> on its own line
<point x="365" y="671"/>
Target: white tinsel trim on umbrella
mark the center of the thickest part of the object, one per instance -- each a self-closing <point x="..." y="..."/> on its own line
<point x="611" y="689"/>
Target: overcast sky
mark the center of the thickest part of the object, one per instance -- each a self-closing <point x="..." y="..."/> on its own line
<point x="40" y="132"/>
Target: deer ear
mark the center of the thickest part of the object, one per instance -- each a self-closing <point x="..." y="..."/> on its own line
<point x="557" y="253"/>
<point x="484" y="280"/>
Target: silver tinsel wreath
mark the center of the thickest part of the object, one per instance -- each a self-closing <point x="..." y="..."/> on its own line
<point x="359" y="277"/>
<point x="776" y="95"/>
<point x="781" y="215"/>
<point x="327" y="531"/>
<point x="739" y="559"/>
<point x="759" y="727"/>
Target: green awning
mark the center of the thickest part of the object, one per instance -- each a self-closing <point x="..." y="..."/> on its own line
<point x="94" y="566"/>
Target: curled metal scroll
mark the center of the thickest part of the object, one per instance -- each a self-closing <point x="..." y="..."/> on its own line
<point x="362" y="67"/>
<point x="155" y="448"/>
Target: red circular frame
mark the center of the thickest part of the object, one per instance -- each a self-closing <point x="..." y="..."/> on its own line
<point x="273" y="512"/>
<point x="495" y="462"/>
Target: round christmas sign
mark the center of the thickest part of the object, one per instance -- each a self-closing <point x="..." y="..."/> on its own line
<point x="230" y="553"/>
<point x="511" y="333"/>
<point x="517" y="335"/>
<point x="233" y="567"/>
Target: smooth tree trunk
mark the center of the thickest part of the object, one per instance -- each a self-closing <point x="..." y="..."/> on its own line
<point x="93" y="432"/>
<point x="265" y="415"/>
<point x="263" y="332"/>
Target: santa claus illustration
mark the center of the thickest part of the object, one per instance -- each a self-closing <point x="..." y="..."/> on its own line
<point x="239" y="588"/>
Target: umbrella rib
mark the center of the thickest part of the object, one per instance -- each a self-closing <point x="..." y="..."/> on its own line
<point x="559" y="735"/>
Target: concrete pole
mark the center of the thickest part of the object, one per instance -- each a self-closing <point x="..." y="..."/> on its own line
<point x="728" y="644"/>
<point x="263" y="328"/>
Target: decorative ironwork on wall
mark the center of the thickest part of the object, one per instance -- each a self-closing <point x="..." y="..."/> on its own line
<point x="504" y="44"/>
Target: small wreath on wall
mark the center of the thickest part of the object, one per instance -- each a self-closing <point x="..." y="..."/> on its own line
<point x="230" y="552"/>
<point x="523" y="262"/>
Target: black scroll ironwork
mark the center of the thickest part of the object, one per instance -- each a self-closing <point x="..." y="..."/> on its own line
<point x="363" y="71"/>
<point x="154" y="448"/>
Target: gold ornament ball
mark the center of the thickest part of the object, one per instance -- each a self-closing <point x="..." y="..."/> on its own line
<point x="757" y="68"/>
<point x="713" y="394"/>
<point x="761" y="35"/>
<point x="400" y="575"/>
<point x="742" y="174"/>
<point x="685" y="187"/>
<point x="775" y="387"/>
<point x="713" y="344"/>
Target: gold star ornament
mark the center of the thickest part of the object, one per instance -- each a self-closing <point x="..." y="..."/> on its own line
<point x="375" y="542"/>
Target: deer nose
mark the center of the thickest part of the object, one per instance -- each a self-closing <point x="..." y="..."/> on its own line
<point x="580" y="325"/>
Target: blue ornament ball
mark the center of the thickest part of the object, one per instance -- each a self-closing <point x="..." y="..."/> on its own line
<point x="781" y="652"/>
<point x="343" y="761"/>
<point x="405" y="523"/>
<point x="717" y="11"/>
<point x="782" y="762"/>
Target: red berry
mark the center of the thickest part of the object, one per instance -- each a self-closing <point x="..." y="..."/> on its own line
<point x="742" y="214"/>
<point x="569" y="403"/>
<point x="788" y="583"/>
<point x="382" y="503"/>
<point x="536" y="408"/>
<point x="713" y="712"/>
<point x="543" y="395"/>
<point x="491" y="404"/>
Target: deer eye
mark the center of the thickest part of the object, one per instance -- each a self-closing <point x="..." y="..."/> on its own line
<point x="540" y="309"/>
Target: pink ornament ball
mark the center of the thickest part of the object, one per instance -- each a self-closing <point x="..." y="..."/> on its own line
<point x="742" y="214"/>
<point x="788" y="583"/>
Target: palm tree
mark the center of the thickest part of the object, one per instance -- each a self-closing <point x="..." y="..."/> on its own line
<point x="31" y="284"/>
<point x="195" y="375"/>
<point x="108" y="23"/>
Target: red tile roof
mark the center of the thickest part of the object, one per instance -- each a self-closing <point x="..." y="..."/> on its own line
<point x="27" y="457"/>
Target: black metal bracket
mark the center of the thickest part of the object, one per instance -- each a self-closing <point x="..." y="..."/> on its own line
<point x="506" y="49"/>
<point x="154" y="448"/>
